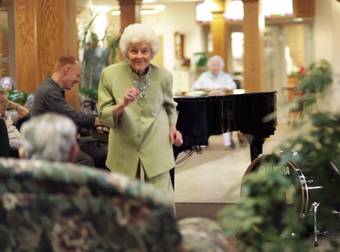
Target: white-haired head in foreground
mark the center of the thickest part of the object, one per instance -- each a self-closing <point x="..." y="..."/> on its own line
<point x="49" y="137"/>
<point x="136" y="33"/>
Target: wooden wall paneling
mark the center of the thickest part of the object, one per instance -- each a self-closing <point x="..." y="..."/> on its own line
<point x="71" y="27"/>
<point x="51" y="34"/>
<point x="3" y="3"/>
<point x="44" y="30"/>
<point x="57" y="36"/>
<point x="304" y="8"/>
<point x="253" y="46"/>
<point x="26" y="45"/>
<point x="3" y="31"/>
<point x="4" y="69"/>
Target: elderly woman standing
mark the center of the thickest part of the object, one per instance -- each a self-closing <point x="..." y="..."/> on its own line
<point x="135" y="101"/>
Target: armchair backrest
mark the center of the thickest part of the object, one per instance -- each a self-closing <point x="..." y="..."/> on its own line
<point x="47" y="206"/>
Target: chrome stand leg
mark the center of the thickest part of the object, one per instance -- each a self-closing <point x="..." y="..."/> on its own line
<point x="335" y="212"/>
<point x="315" y="206"/>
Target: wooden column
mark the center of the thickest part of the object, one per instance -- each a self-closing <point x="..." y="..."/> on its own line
<point x="4" y="69"/>
<point x="44" y="31"/>
<point x="253" y="25"/>
<point x="219" y="31"/>
<point x="72" y="45"/>
<point x="129" y="12"/>
<point x="304" y="8"/>
<point x="27" y="70"/>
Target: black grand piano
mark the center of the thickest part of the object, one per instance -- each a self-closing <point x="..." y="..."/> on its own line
<point x="253" y="114"/>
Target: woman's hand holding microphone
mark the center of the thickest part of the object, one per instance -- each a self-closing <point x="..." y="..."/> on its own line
<point x="130" y="96"/>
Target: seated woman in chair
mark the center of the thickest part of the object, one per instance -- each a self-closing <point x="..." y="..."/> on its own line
<point x="14" y="135"/>
<point x="57" y="143"/>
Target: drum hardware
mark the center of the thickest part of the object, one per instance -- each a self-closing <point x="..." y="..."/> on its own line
<point x="308" y="188"/>
<point x="335" y="212"/>
<point x="314" y="208"/>
<point x="315" y="187"/>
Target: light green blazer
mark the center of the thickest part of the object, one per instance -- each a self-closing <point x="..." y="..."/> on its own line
<point x="141" y="132"/>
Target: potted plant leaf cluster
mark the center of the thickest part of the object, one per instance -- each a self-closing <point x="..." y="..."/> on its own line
<point x="312" y="84"/>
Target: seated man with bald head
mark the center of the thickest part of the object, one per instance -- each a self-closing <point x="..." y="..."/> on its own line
<point x="49" y="137"/>
<point x="50" y="97"/>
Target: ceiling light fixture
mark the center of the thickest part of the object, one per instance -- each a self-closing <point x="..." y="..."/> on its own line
<point x="145" y="10"/>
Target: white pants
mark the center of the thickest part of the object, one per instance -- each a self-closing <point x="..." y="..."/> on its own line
<point x="227" y="138"/>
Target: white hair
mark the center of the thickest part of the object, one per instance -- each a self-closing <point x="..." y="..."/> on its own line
<point x="49" y="137"/>
<point x="216" y="59"/>
<point x="136" y="33"/>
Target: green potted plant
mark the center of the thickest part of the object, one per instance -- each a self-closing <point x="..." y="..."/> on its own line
<point x="90" y="94"/>
<point x="17" y="96"/>
<point x="315" y="80"/>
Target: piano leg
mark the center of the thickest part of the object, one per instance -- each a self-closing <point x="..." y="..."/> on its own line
<point x="256" y="144"/>
<point x="176" y="151"/>
<point x="172" y="176"/>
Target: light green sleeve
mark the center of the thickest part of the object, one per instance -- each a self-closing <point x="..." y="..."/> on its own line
<point x="106" y="103"/>
<point x="169" y="102"/>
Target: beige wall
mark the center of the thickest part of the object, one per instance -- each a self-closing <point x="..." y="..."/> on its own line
<point x="294" y="35"/>
<point x="176" y="18"/>
<point x="327" y="41"/>
<point x="327" y="32"/>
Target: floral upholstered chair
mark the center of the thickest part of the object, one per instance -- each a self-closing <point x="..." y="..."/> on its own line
<point x="47" y="206"/>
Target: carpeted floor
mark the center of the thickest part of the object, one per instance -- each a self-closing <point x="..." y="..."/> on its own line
<point x="215" y="175"/>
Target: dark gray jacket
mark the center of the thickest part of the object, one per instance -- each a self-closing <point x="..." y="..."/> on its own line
<point x="50" y="97"/>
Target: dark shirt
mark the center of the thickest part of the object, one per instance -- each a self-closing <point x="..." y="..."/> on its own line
<point x="50" y="97"/>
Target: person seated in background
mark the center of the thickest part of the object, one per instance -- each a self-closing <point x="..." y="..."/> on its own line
<point x="7" y="83"/>
<point x="14" y="110"/>
<point x="50" y="97"/>
<point x="57" y="143"/>
<point x="14" y="135"/>
<point x="217" y="82"/>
